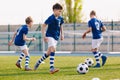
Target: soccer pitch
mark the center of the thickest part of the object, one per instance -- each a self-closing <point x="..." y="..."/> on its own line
<point x="67" y="65"/>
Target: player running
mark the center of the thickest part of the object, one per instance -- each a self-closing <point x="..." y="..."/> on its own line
<point x="20" y="39"/>
<point x="54" y="31"/>
<point x="97" y="27"/>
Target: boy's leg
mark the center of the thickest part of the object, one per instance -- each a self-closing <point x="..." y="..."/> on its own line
<point x="27" y="57"/>
<point x="95" y="52"/>
<point x="52" y="56"/>
<point x="52" y="69"/>
<point x="103" y="57"/>
<point x="40" y="61"/>
<point x="18" y="63"/>
<point x="97" y="58"/>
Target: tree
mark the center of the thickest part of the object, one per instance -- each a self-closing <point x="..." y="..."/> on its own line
<point x="72" y="10"/>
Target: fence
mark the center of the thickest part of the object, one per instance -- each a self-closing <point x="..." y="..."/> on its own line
<point x="72" y="42"/>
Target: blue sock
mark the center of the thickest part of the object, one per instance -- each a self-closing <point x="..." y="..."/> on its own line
<point x="52" y="60"/>
<point x="21" y="57"/>
<point x="96" y="55"/>
<point x="27" y="59"/>
<point x="42" y="59"/>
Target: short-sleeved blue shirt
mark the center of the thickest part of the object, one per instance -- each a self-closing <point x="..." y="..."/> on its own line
<point x="54" y="25"/>
<point x="19" y="36"/>
<point x="96" y="26"/>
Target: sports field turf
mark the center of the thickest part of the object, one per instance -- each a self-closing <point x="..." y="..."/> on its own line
<point x="67" y="65"/>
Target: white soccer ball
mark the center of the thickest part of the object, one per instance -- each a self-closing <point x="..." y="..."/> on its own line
<point x="89" y="62"/>
<point x="82" y="68"/>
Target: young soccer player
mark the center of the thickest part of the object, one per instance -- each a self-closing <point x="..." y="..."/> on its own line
<point x="97" y="27"/>
<point x="20" y="39"/>
<point x="53" y="32"/>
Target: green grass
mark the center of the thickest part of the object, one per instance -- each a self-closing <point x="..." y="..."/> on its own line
<point x="67" y="65"/>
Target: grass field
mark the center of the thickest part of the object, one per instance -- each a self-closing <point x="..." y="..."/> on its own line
<point x="67" y="65"/>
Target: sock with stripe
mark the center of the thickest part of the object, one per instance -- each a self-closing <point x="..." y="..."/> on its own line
<point x="100" y="54"/>
<point x="52" y="60"/>
<point x="42" y="59"/>
<point x="27" y="59"/>
<point x="96" y="55"/>
<point x="21" y="57"/>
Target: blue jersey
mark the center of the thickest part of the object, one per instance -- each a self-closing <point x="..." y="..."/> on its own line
<point x="96" y="26"/>
<point x="19" y="36"/>
<point x="54" y="25"/>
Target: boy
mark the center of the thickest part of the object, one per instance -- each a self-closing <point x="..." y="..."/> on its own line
<point x="97" y="27"/>
<point x="53" y="32"/>
<point x="20" y="39"/>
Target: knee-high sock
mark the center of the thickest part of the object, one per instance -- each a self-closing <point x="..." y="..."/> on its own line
<point x="52" y="54"/>
<point x="42" y="58"/>
<point x="21" y="57"/>
<point x="96" y="55"/>
<point x="27" y="59"/>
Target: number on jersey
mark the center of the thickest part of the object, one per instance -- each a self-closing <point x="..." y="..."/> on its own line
<point x="97" y="25"/>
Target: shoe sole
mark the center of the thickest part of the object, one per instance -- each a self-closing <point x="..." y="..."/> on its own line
<point x="52" y="72"/>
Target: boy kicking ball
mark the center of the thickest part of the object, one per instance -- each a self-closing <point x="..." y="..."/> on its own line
<point x="53" y="32"/>
<point x="20" y="39"/>
<point x="97" y="27"/>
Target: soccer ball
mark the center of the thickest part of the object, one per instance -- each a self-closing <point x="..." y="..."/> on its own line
<point x="82" y="68"/>
<point x="89" y="62"/>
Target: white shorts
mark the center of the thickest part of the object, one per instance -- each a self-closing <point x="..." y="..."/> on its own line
<point x="52" y="42"/>
<point x="23" y="47"/>
<point x="96" y="43"/>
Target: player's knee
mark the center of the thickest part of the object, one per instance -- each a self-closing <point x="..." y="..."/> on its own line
<point x="25" y="51"/>
<point x="52" y="49"/>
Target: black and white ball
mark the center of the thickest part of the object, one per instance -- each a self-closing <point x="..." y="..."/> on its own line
<point x="82" y="68"/>
<point x="89" y="62"/>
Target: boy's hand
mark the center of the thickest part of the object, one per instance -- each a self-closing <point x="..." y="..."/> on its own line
<point x="33" y="39"/>
<point x="45" y="39"/>
<point x="84" y="35"/>
<point x="10" y="43"/>
<point x="62" y="37"/>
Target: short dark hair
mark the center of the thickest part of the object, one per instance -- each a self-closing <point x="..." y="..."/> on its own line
<point x="93" y="13"/>
<point x="28" y="20"/>
<point x="57" y="6"/>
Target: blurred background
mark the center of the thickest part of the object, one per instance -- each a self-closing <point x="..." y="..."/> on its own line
<point x="76" y="16"/>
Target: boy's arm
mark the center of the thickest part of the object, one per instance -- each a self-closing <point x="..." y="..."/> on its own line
<point x="103" y="28"/>
<point x="88" y="31"/>
<point x="28" y="39"/>
<point x="62" y="32"/>
<point x="43" y="32"/>
<point x="11" y="41"/>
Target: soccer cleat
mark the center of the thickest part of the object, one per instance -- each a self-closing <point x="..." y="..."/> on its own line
<point x="28" y="69"/>
<point x="52" y="71"/>
<point x="18" y="65"/>
<point x="36" y="66"/>
<point x="97" y="65"/>
<point x="104" y="59"/>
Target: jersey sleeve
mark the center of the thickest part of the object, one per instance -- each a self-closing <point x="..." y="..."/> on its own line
<point x="25" y="31"/>
<point x="48" y="21"/>
<point x="62" y="21"/>
<point x="89" y="24"/>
